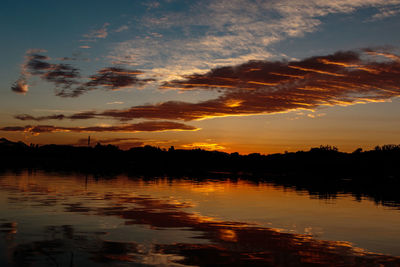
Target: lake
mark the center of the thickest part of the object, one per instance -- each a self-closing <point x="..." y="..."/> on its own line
<point x="53" y="219"/>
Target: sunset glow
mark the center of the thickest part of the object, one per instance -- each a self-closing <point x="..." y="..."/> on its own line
<point x="235" y="76"/>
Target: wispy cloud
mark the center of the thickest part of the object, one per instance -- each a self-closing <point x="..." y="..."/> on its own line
<point x="122" y="28"/>
<point x="150" y="126"/>
<point x="228" y="32"/>
<point x="313" y="116"/>
<point x="99" y="33"/>
<point x="151" y="5"/>
<point x="386" y="12"/>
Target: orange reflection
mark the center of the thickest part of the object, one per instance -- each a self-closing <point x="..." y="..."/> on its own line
<point x="229" y="242"/>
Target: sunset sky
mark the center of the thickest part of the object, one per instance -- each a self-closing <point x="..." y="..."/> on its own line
<point x="247" y="76"/>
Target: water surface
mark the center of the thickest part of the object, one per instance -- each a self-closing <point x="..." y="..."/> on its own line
<point x="74" y="220"/>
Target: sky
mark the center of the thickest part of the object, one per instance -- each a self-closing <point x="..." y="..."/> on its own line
<point x="237" y="76"/>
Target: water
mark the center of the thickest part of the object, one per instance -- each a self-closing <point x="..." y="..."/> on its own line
<point x="53" y="219"/>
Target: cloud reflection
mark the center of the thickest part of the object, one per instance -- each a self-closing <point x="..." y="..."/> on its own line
<point x="227" y="242"/>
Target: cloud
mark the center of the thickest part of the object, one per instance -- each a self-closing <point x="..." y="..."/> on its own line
<point x="266" y="87"/>
<point x="36" y="63"/>
<point x="62" y="75"/>
<point x="20" y="86"/>
<point x="150" y="126"/>
<point x="111" y="78"/>
<point x="206" y="146"/>
<point x="386" y="12"/>
<point x="115" y="78"/>
<point x="383" y="53"/>
<point x="313" y="116"/>
<point x="100" y="33"/>
<point x="26" y="117"/>
<point x="67" y="79"/>
<point x="84" y="46"/>
<point x="151" y="5"/>
<point x="122" y="28"/>
<point x="227" y="32"/>
<point x="36" y="51"/>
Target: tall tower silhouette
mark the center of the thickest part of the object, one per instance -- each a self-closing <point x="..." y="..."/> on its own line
<point x="88" y="141"/>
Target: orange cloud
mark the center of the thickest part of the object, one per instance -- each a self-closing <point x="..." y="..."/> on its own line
<point x="317" y="71"/>
<point x="20" y="86"/>
<point x="206" y="146"/>
<point x="274" y="87"/>
<point x="383" y="54"/>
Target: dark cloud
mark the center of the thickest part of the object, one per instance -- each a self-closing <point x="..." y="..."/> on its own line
<point x="111" y="78"/>
<point x="115" y="77"/>
<point x="83" y="115"/>
<point x="36" y="64"/>
<point x="26" y="117"/>
<point x="257" y="87"/>
<point x="62" y="75"/>
<point x="67" y="79"/>
<point x="264" y="87"/>
<point x="150" y="126"/>
<point x="66" y="58"/>
<point x="255" y="75"/>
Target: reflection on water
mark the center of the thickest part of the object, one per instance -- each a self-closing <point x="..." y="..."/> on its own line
<point x="56" y="220"/>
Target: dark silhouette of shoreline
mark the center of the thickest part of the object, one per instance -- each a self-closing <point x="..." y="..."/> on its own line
<point x="324" y="171"/>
